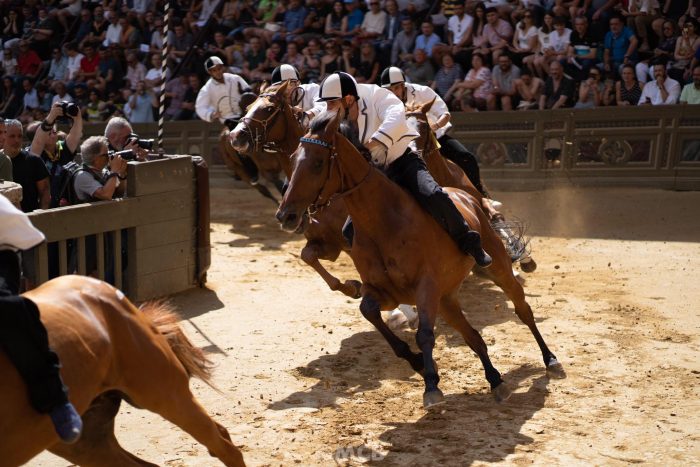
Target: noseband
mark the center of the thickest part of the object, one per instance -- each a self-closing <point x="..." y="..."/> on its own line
<point x="319" y="204"/>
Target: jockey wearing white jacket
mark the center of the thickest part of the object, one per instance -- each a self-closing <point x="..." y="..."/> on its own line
<point x="415" y="95"/>
<point x="219" y="97"/>
<point x="382" y="128"/>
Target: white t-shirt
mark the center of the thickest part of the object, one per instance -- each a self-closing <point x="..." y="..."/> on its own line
<point x="74" y="65"/>
<point x="560" y="43"/>
<point x="459" y="27"/>
<point x="524" y="36"/>
<point x="374" y="22"/>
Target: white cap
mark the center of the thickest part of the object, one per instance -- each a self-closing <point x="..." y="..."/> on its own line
<point x="284" y="73"/>
<point x="212" y="61"/>
<point x="337" y="85"/>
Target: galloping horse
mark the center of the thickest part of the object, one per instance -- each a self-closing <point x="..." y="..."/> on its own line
<point x="447" y="173"/>
<point x="271" y="121"/>
<point x="268" y="165"/>
<point x="109" y="351"/>
<point x="401" y="253"/>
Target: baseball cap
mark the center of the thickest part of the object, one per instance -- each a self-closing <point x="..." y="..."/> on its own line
<point x="212" y="61"/>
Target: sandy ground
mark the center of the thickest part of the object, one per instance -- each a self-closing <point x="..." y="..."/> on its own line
<point x="306" y="381"/>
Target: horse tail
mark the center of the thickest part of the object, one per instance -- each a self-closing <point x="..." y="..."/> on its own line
<point x="512" y="234"/>
<point x="165" y="321"/>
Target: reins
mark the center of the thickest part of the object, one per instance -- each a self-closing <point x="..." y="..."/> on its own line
<point x="319" y="204"/>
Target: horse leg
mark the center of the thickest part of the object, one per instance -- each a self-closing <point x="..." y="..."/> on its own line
<point x="182" y="409"/>
<point x="427" y="306"/>
<point x="310" y="254"/>
<point x="371" y="310"/>
<point x="501" y="273"/>
<point x="453" y="316"/>
<point x="97" y="446"/>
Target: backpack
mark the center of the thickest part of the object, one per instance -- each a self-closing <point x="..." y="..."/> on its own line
<point x="66" y="192"/>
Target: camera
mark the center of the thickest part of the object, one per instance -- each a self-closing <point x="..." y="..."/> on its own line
<point x="69" y="109"/>
<point x="142" y="143"/>
<point x="126" y="154"/>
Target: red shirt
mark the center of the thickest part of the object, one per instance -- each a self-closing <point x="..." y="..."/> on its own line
<point x="89" y="65"/>
<point x="28" y="63"/>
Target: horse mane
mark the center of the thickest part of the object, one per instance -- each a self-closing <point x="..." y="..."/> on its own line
<point x="165" y="322"/>
<point x="321" y="121"/>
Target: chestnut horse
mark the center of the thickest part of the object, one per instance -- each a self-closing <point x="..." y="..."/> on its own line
<point x="400" y="251"/>
<point x="271" y="121"/>
<point x="447" y="172"/>
<point x="109" y="350"/>
<point x="268" y="164"/>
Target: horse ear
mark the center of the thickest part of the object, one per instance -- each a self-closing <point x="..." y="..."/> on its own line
<point x="263" y="86"/>
<point x="282" y="90"/>
<point x="426" y="107"/>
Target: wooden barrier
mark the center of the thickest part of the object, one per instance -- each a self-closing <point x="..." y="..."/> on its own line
<point x="655" y="146"/>
<point x="155" y="224"/>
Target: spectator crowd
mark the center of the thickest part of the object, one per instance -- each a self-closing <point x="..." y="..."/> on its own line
<point x="502" y="54"/>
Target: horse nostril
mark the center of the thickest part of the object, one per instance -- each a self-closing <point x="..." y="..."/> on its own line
<point x="279" y="215"/>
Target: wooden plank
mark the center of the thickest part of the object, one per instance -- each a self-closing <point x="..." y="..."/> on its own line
<point x="100" y="243"/>
<point x="161" y="283"/>
<point x="86" y="219"/>
<point x="42" y="263"/>
<point x="164" y="233"/>
<point x="159" y="176"/>
<point x="81" y="256"/>
<point x="163" y="258"/>
<point x="117" y="252"/>
<point x="62" y="258"/>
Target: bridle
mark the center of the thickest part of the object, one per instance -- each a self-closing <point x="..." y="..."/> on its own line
<point x="318" y="205"/>
<point x="259" y="138"/>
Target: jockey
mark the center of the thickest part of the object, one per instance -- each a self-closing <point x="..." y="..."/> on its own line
<point x="380" y="120"/>
<point x="308" y="102"/>
<point x="23" y="337"/>
<point x="415" y="95"/>
<point x="219" y="99"/>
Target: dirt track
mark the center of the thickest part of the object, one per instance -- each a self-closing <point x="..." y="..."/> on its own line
<point x="307" y="381"/>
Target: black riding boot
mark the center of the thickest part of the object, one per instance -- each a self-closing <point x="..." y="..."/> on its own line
<point x="24" y="339"/>
<point x="455" y="151"/>
<point x="410" y="172"/>
<point x="348" y="231"/>
<point x="250" y="168"/>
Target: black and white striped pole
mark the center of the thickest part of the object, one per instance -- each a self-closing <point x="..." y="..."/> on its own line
<point x="163" y="77"/>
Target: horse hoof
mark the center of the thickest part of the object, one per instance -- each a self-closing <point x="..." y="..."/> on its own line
<point x="433" y="398"/>
<point x="528" y="266"/>
<point x="351" y="288"/>
<point x="501" y="392"/>
<point x="555" y="370"/>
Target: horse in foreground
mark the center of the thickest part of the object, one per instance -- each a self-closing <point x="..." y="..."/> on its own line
<point x="400" y="251"/>
<point x="110" y="351"/>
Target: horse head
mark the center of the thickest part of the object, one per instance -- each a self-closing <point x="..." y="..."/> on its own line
<point x="417" y="117"/>
<point x="262" y="129"/>
<point x="312" y="182"/>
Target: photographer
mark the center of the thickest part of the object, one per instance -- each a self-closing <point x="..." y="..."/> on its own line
<point x="53" y="151"/>
<point x="93" y="183"/>
<point x="121" y="137"/>
<point x="141" y="104"/>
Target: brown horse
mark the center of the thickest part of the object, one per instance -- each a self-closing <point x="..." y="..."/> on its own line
<point x="272" y="121"/>
<point x="401" y="253"/>
<point x="447" y="173"/>
<point x="268" y="165"/>
<point x="109" y="350"/>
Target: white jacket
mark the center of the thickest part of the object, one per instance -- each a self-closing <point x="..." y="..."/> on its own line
<point x="382" y="116"/>
<point x="16" y="230"/>
<point x="222" y="97"/>
<point x="417" y="95"/>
